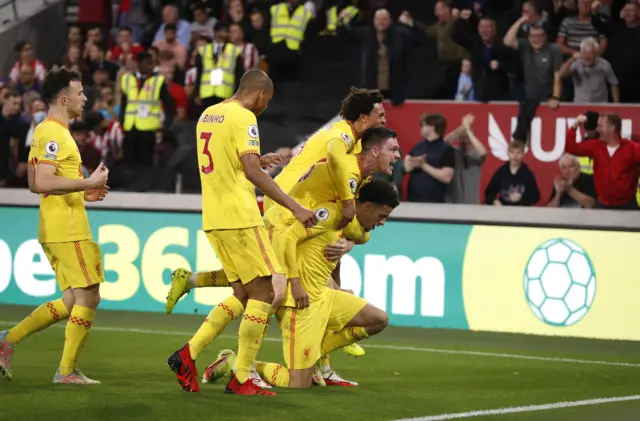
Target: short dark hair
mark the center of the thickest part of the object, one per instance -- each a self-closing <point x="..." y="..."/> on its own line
<point x="379" y="192"/>
<point x="359" y="101"/>
<point x="200" y="7"/>
<point x="125" y="29"/>
<point x="614" y="120"/>
<point x="437" y="121"/>
<point x="170" y="27"/>
<point x="11" y="93"/>
<point x="376" y="135"/>
<point x="534" y="5"/>
<point x="20" y="46"/>
<point x="56" y="81"/>
<point x="143" y="56"/>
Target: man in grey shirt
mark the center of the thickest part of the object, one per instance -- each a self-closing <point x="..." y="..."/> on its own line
<point x="541" y="61"/>
<point x="591" y="75"/>
<point x="470" y="155"/>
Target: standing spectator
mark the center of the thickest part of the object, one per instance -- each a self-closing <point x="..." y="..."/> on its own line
<point x="131" y="14"/>
<point x="143" y="97"/>
<point x="590" y="132"/>
<point x="573" y="189"/>
<point x="26" y="55"/>
<point x="541" y="61"/>
<point x="533" y="17"/>
<point x="95" y="36"/>
<point x="203" y="24"/>
<point x="450" y="54"/>
<point x="192" y="74"/>
<point x="11" y="127"/>
<point x="465" y="91"/>
<point x="74" y="35"/>
<point x="171" y="16"/>
<point x="97" y="61"/>
<point x="166" y="58"/>
<point x="170" y="43"/>
<point x="88" y="153"/>
<point x="470" y="155"/>
<point x="615" y="162"/>
<point x="236" y="15"/>
<point x="249" y="55"/>
<point x="260" y="37"/>
<point x="127" y="49"/>
<point x="37" y="112"/>
<point x="106" y="137"/>
<point x="623" y="50"/>
<point x="591" y="75"/>
<point x="490" y="59"/>
<point x="430" y="163"/>
<point x="177" y="92"/>
<point x="513" y="184"/>
<point x="27" y="81"/>
<point x="96" y="13"/>
<point x="574" y="29"/>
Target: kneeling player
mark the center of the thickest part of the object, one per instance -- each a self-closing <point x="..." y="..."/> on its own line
<point x="315" y="319"/>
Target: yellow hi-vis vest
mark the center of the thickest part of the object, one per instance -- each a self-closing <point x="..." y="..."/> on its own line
<point x="218" y="77"/>
<point x="289" y="28"/>
<point x="144" y="108"/>
<point x="586" y="164"/>
<point x="332" y="17"/>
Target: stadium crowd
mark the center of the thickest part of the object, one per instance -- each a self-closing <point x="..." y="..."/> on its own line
<point x="156" y="64"/>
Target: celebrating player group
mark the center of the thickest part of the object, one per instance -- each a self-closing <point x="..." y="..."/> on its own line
<point x="284" y="264"/>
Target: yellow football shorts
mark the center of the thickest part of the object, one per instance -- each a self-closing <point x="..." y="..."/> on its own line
<point x="245" y="253"/>
<point x="77" y="264"/>
<point x="303" y="329"/>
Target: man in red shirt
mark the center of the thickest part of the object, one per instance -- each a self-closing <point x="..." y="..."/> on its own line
<point x="127" y="50"/>
<point x="177" y="92"/>
<point x="615" y="162"/>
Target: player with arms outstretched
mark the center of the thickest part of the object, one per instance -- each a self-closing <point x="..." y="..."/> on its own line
<point x="55" y="173"/>
<point x="230" y="167"/>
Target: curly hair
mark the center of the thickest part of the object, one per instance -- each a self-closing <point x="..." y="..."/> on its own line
<point x="358" y="102"/>
<point x="56" y="81"/>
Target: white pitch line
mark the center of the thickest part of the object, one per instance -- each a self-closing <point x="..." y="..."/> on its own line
<point x="375" y="346"/>
<point x="528" y="408"/>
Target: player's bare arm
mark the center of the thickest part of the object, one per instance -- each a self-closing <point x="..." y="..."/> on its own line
<point x="253" y="172"/>
<point x="43" y="180"/>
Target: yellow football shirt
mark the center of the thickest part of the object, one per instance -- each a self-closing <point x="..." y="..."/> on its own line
<point x="301" y="250"/>
<point x="63" y="218"/>
<point x="225" y="132"/>
<point x="314" y="150"/>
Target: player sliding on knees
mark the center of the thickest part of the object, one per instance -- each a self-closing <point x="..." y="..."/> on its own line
<point x="230" y="167"/>
<point x="55" y="173"/>
<point x="380" y="150"/>
<point x="317" y="317"/>
<point x="361" y="109"/>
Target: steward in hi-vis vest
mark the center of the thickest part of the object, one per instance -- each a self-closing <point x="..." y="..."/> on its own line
<point x="340" y="16"/>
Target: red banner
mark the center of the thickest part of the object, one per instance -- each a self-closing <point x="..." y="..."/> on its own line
<point x="494" y="124"/>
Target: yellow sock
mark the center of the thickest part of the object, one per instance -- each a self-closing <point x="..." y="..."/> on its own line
<point x="337" y="340"/>
<point x="216" y="278"/>
<point x="274" y="374"/>
<point x="218" y="319"/>
<point x="324" y="361"/>
<point x="42" y="317"/>
<point x="250" y="336"/>
<point x="78" y="327"/>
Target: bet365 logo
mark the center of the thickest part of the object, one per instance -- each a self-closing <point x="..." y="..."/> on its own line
<point x="560" y="282"/>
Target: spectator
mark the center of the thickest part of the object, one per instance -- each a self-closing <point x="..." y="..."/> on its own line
<point x="615" y="162"/>
<point x="450" y="54"/>
<point x="26" y="55"/>
<point x="344" y="13"/>
<point x="574" y="29"/>
<point x="541" y="61"/>
<point x="107" y="106"/>
<point x="249" y="53"/>
<point x="97" y="61"/>
<point x="74" y="35"/>
<point x="591" y="75"/>
<point x="203" y="24"/>
<point x="27" y="81"/>
<point x="170" y="16"/>
<point x="166" y="58"/>
<point x="513" y="184"/>
<point x="590" y="132"/>
<point x="430" y="163"/>
<point x="465" y="90"/>
<point x="106" y="136"/>
<point x="192" y="73"/>
<point x="127" y="49"/>
<point x="470" y="155"/>
<point x="177" y="92"/>
<point x="28" y="101"/>
<point x="88" y="153"/>
<point x="236" y="15"/>
<point x="95" y="37"/>
<point x="143" y="98"/>
<point x="37" y="112"/>
<point x="260" y="37"/>
<point x="623" y="51"/>
<point x="573" y="189"/>
<point x="11" y="128"/>
<point x="169" y="43"/>
<point x="489" y="57"/>
<point x="384" y="53"/>
<point x="73" y="60"/>
<point x="97" y="13"/>
<point x="131" y="14"/>
<point x="532" y="17"/>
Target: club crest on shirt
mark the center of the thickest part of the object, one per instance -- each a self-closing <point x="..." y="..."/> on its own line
<point x="353" y="185"/>
<point x="52" y="148"/>
<point x="253" y="131"/>
<point x="346" y="138"/>
<point x="322" y="214"/>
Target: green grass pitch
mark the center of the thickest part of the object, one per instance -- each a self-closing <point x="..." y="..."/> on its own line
<point x="407" y="373"/>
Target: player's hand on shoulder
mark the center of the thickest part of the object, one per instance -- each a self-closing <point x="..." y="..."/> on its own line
<point x="100" y="176"/>
<point x="298" y="293"/>
<point x="306" y="216"/>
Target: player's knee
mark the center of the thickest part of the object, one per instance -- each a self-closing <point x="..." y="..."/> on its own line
<point x="380" y="320"/>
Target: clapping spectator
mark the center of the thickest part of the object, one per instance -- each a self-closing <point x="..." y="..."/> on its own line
<point x="203" y="24"/>
<point x="171" y="16"/>
<point x="26" y="56"/>
<point x="170" y="43"/>
<point x="573" y="189"/>
<point x="470" y="155"/>
<point x="615" y="162"/>
<point x="127" y="49"/>
<point x="430" y="163"/>
<point x="513" y="184"/>
<point x="465" y="90"/>
<point x="490" y="59"/>
<point x="94" y="37"/>
<point x="541" y="61"/>
<point x="591" y="75"/>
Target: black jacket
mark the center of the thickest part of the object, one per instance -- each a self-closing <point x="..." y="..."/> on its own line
<point x="504" y="182"/>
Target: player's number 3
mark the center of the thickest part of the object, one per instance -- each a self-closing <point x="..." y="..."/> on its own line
<point x="206" y="136"/>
